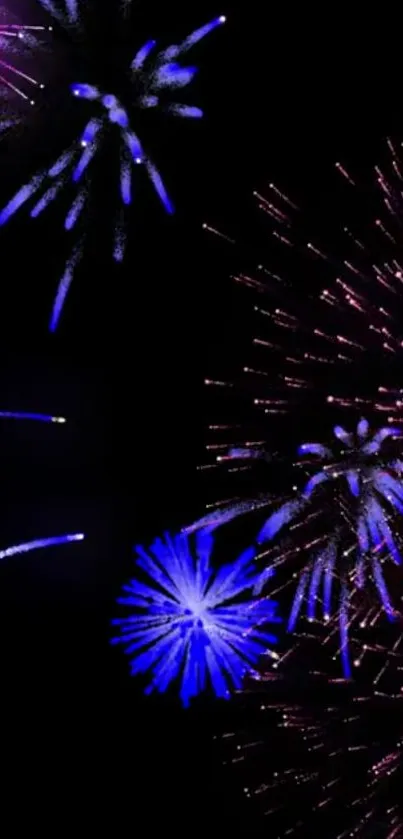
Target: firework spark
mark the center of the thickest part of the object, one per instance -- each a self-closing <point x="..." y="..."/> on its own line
<point x="308" y="344"/>
<point x="16" y="41"/>
<point x="334" y="750"/>
<point x="153" y="76"/>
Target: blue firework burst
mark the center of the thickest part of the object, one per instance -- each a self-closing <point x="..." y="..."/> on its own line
<point x="153" y="74"/>
<point x="191" y="623"/>
<point x="374" y="483"/>
<point x="360" y="491"/>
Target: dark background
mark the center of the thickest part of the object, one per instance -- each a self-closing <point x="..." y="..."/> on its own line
<point x="284" y="92"/>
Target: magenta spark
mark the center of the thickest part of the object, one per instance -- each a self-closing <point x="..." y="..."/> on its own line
<point x="14" y="39"/>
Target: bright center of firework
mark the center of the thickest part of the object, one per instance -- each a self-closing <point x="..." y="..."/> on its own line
<point x="197" y="610"/>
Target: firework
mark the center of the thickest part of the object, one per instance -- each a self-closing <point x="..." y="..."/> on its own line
<point x="16" y="86"/>
<point x="367" y="479"/>
<point x="154" y="76"/>
<point x="315" y="338"/>
<point x="334" y="557"/>
<point x="334" y="751"/>
<point x="192" y="624"/>
<point x="307" y="341"/>
<point x="26" y="415"/>
<point x="38" y="544"/>
<point x="307" y="348"/>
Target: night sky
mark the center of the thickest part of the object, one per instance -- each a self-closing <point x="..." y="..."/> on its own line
<point x="284" y="93"/>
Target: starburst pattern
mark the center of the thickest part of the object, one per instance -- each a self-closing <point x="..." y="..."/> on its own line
<point x="191" y="623"/>
<point x="315" y="335"/>
<point x="152" y="75"/>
